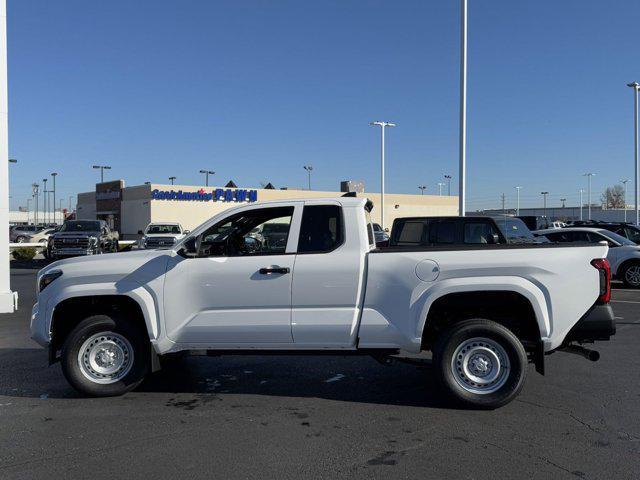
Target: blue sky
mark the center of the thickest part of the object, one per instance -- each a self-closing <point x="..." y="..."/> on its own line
<point x="256" y="89"/>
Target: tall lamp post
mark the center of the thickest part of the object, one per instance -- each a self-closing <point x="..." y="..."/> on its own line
<point x="54" y="175"/>
<point x="462" y="194"/>
<point x="422" y="189"/>
<point x="36" y="195"/>
<point x="589" y="175"/>
<point x="448" y="179"/>
<point x="309" y="169"/>
<point x="518" y="199"/>
<point x="172" y="179"/>
<point x="581" y="202"/>
<point x="624" y="182"/>
<point x="45" y="195"/>
<point x="382" y="126"/>
<point x="544" y="207"/>
<point x="440" y="185"/>
<point x="207" y="173"/>
<point x="102" y="169"/>
<point x="636" y="86"/>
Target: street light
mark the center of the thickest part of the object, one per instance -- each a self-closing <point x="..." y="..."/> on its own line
<point x="36" y="194"/>
<point x="544" y="208"/>
<point x="624" y="182"/>
<point x="589" y="175"/>
<point x="207" y="173"/>
<point x="440" y="185"/>
<point x="102" y="169"/>
<point x="382" y="126"/>
<point x="422" y="189"/>
<point x="45" y="195"/>
<point x="462" y="194"/>
<point x="581" y="202"/>
<point x="54" y="175"/>
<point x="563" y="200"/>
<point x="448" y="178"/>
<point x="636" y="86"/>
<point x="518" y="201"/>
<point x="28" y="208"/>
<point x="309" y="169"/>
<point x="172" y="179"/>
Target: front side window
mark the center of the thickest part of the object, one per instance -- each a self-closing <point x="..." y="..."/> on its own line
<point x="262" y="231"/>
<point x="479" y="232"/>
<point x="321" y="230"/>
<point x="632" y="234"/>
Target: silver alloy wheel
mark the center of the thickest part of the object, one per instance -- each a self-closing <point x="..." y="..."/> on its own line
<point x="632" y="275"/>
<point x="480" y="365"/>
<point x="105" y="357"/>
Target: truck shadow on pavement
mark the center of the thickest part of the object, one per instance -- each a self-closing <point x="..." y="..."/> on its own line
<point x="25" y="373"/>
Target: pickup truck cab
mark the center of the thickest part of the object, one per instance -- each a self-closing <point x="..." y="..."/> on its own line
<point x="320" y="285"/>
<point x="81" y="238"/>
<point x="161" y="235"/>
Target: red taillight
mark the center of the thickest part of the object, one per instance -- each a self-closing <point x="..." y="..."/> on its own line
<point x="602" y="264"/>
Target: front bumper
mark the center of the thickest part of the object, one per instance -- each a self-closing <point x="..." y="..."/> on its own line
<point x="39" y="326"/>
<point x="71" y="252"/>
<point x="597" y="324"/>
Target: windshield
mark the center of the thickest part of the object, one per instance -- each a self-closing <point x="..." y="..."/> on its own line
<point x="377" y="227"/>
<point x="516" y="231"/>
<point x="81" y="226"/>
<point x="616" y="238"/>
<point x="159" y="229"/>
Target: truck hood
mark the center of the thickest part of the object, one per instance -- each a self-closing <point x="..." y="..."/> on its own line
<point x="138" y="266"/>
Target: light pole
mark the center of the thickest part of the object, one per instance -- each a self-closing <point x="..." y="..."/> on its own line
<point x="462" y="194"/>
<point x="102" y="169"/>
<point x="45" y="195"/>
<point x="54" y="175"/>
<point x="309" y="169"/>
<point x="518" y="200"/>
<point x="422" y="189"/>
<point x="207" y="173"/>
<point x="636" y="86"/>
<point x="563" y="200"/>
<point x="70" y="198"/>
<point x="382" y="126"/>
<point x="448" y="178"/>
<point x="581" y="202"/>
<point x="28" y="208"/>
<point x="544" y="208"/>
<point x="440" y="185"/>
<point x="589" y="175"/>
<point x="624" y="182"/>
<point x="172" y="179"/>
<point x="36" y="194"/>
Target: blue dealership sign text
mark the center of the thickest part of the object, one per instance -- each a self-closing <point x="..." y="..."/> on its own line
<point x="218" y="195"/>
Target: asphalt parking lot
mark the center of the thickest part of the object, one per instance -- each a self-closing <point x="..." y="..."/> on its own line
<point x="318" y="417"/>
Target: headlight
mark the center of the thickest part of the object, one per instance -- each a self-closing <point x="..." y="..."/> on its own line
<point x="48" y="278"/>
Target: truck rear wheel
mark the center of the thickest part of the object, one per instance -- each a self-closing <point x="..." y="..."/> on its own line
<point x="105" y="356"/>
<point x="480" y="363"/>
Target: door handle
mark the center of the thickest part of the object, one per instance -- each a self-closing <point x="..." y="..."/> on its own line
<point x="270" y="270"/>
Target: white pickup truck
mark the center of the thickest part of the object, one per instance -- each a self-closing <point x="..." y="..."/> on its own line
<point x="306" y="277"/>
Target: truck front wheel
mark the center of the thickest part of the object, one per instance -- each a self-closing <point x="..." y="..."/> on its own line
<point x="480" y="363"/>
<point x="105" y="356"/>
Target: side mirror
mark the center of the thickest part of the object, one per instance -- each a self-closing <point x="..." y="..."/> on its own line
<point x="187" y="232"/>
<point x="495" y="238"/>
<point x="140" y="232"/>
<point x="386" y="229"/>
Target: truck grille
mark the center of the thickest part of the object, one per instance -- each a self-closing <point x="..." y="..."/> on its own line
<point x="73" y="242"/>
<point x="160" y="242"/>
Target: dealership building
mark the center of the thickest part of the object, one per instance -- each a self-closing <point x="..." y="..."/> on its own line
<point x="130" y="209"/>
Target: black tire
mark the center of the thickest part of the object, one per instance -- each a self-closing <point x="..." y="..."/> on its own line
<point x="110" y="324"/>
<point x="629" y="280"/>
<point x="452" y="376"/>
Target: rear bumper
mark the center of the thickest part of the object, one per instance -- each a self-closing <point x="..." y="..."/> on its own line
<point x="597" y="324"/>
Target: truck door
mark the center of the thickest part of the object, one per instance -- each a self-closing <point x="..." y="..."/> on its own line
<point x="237" y="291"/>
<point x="328" y="276"/>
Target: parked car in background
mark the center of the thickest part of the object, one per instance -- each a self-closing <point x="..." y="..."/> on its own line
<point x="21" y="233"/>
<point x="431" y="231"/>
<point x="161" y="235"/>
<point x="627" y="230"/>
<point x="381" y="236"/>
<point x="623" y="255"/>
<point x="485" y="314"/>
<point x="42" y="236"/>
<point x="82" y="237"/>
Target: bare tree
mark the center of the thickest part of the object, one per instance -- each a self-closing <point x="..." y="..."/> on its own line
<point x="613" y="197"/>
